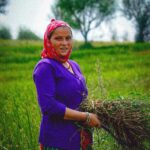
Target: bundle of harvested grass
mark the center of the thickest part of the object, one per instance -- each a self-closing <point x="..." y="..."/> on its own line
<point x="127" y="121"/>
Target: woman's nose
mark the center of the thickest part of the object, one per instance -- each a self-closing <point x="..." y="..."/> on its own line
<point x="64" y="42"/>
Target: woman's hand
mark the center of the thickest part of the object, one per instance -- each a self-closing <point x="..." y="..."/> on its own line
<point x="93" y="120"/>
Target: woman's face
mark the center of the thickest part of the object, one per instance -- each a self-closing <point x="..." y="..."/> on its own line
<point x="61" y="40"/>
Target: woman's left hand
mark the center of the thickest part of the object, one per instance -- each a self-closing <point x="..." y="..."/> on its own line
<point x="94" y="121"/>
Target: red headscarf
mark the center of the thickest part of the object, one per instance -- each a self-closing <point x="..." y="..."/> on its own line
<point x="49" y="51"/>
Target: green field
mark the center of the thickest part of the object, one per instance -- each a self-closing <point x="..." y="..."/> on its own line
<point x="113" y="71"/>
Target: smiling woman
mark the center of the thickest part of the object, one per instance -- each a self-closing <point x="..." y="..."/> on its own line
<point x="57" y="41"/>
<point x="62" y="43"/>
<point x="61" y="88"/>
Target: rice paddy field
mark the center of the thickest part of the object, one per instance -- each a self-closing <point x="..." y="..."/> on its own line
<point x="113" y="71"/>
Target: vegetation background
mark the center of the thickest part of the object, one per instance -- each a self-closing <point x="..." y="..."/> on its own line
<point x="113" y="71"/>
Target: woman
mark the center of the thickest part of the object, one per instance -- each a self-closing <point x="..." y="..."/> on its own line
<point x="60" y="89"/>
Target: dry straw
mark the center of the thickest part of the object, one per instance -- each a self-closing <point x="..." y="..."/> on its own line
<point x="127" y="121"/>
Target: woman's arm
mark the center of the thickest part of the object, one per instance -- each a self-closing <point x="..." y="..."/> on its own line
<point x="45" y="85"/>
<point x="90" y="118"/>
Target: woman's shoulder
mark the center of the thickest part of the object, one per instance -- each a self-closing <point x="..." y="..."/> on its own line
<point x="44" y="65"/>
<point x="45" y="62"/>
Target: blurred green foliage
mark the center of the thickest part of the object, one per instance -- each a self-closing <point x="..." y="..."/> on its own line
<point x="26" y="34"/>
<point x="5" y="33"/>
<point x="84" y="15"/>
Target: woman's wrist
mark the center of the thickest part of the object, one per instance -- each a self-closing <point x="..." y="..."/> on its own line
<point x="88" y="118"/>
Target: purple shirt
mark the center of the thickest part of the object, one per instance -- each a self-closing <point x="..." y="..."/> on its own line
<point x="57" y="88"/>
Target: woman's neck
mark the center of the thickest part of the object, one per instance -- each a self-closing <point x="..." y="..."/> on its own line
<point x="66" y="65"/>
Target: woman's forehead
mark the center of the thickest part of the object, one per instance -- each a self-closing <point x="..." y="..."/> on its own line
<point x="62" y="30"/>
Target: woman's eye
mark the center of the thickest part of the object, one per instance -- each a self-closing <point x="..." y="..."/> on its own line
<point x="68" y="38"/>
<point x="58" y="38"/>
<point x="63" y="38"/>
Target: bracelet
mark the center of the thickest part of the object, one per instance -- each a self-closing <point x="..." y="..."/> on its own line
<point x="88" y="119"/>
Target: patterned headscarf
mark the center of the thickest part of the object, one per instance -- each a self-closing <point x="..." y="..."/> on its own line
<point x="49" y="51"/>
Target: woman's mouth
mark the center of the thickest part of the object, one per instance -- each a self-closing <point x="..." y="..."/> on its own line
<point x="64" y="48"/>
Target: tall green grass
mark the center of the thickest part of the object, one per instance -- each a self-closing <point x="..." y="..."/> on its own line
<point x="112" y="71"/>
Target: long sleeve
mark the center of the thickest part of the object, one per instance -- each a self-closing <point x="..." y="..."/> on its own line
<point x="45" y="85"/>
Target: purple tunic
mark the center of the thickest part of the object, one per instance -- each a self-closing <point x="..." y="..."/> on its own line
<point x="57" y="88"/>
